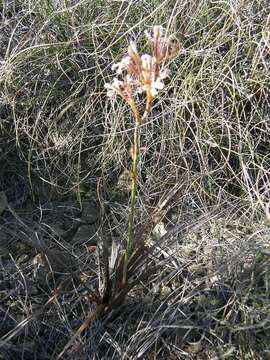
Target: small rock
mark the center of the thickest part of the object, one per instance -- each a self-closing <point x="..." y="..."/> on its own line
<point x="85" y="233"/>
<point x="159" y="230"/>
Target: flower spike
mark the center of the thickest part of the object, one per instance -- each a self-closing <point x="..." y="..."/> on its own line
<point x="143" y="72"/>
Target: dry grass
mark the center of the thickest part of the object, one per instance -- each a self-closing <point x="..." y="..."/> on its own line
<point x="207" y="294"/>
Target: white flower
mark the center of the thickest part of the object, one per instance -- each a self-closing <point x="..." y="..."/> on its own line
<point x="154" y="87"/>
<point x="158" y="84"/>
<point x="114" y="87"/>
<point x="117" y="83"/>
<point x="122" y="65"/>
<point x="110" y="91"/>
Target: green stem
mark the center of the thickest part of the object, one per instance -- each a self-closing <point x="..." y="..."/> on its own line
<point x="133" y="198"/>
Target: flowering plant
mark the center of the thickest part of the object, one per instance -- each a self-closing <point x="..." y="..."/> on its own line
<point x="140" y="74"/>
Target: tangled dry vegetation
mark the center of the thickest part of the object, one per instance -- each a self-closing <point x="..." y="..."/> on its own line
<point x="199" y="288"/>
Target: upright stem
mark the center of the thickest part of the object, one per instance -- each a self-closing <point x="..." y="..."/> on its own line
<point x="133" y="198"/>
